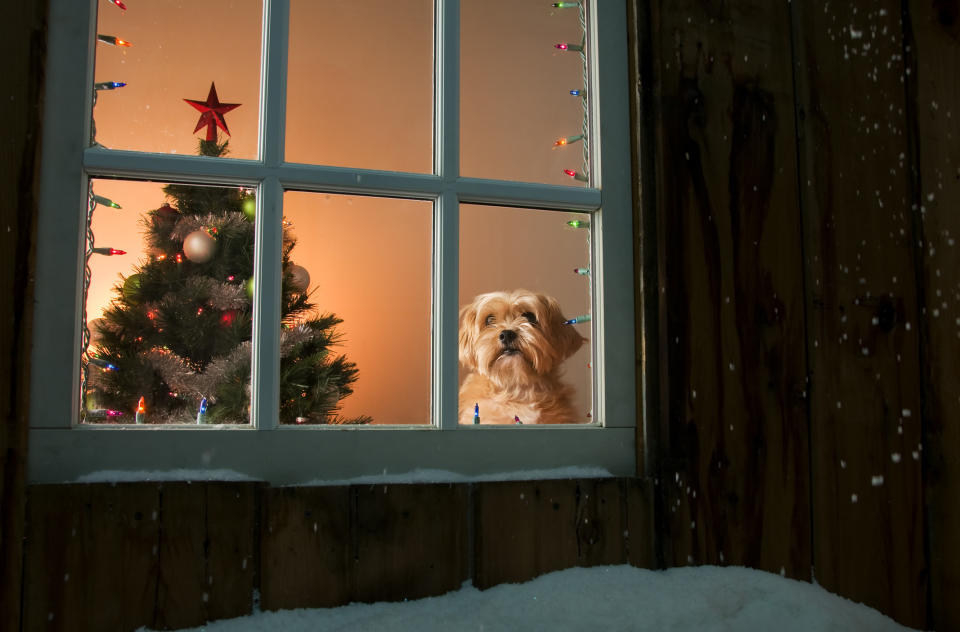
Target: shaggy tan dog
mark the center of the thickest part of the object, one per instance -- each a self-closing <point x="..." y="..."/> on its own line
<point x="513" y="344"/>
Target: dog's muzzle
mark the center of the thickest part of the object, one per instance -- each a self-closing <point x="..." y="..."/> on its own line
<point x="507" y="338"/>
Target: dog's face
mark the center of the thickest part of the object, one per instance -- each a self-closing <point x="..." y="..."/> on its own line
<point x="515" y="337"/>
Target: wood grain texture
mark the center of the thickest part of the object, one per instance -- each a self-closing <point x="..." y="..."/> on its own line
<point x="208" y="540"/>
<point x="524" y="529"/>
<point x="934" y="94"/>
<point x="306" y="557"/>
<point x="868" y="530"/>
<point x="734" y="446"/>
<point x="181" y="591"/>
<point x="232" y="548"/>
<point x="410" y="541"/>
<point x="640" y="532"/>
<point x="21" y="108"/>
<point x="92" y="558"/>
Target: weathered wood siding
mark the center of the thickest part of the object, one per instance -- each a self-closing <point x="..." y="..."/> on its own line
<point x="21" y="107"/>
<point x="934" y="98"/>
<point x="173" y="555"/>
<point x="806" y="186"/>
<point x="734" y="452"/>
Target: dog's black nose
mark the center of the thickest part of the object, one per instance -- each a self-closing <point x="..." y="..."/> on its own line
<point x="507" y="336"/>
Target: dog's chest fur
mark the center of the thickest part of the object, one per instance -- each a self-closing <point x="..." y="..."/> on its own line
<point x="546" y="406"/>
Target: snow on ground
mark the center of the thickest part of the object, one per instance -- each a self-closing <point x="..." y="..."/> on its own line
<point x="606" y="598"/>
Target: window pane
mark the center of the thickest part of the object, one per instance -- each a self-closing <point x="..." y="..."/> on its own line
<point x="360" y="84"/>
<point x="366" y="261"/>
<point x="179" y="49"/>
<point x="515" y="92"/>
<point x="168" y="315"/>
<point x="523" y="274"/>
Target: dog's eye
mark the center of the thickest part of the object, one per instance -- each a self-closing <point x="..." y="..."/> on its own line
<point x="488" y="321"/>
<point x="530" y="317"/>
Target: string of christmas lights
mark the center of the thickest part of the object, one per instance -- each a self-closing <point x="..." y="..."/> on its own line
<point x="583" y="174"/>
<point x="87" y="276"/>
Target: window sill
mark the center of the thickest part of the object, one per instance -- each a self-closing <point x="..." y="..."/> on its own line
<point x="288" y="457"/>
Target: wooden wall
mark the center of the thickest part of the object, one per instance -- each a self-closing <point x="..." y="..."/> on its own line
<point x="806" y="194"/>
<point x="172" y="555"/>
<point x="21" y="107"/>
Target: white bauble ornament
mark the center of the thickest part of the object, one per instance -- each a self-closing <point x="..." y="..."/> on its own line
<point x="299" y="278"/>
<point x="199" y="246"/>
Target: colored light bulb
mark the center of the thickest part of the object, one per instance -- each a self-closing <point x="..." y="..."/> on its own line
<point x="102" y="201"/>
<point x="575" y="175"/>
<point x="110" y="39"/>
<point x="119" y="4"/>
<point x="141" y="411"/>
<point x="179" y="258"/>
<point x="578" y="223"/>
<point x="103" y="364"/>
<point x="569" y="47"/>
<point x="108" y="85"/>
<point x="578" y="93"/>
<point x="516" y="420"/>
<point x="202" y="411"/>
<point x="582" y="271"/>
<point x="567" y="140"/>
<point x="565" y="5"/>
<point x="108" y="252"/>
<point x="476" y="413"/>
<point x="579" y="319"/>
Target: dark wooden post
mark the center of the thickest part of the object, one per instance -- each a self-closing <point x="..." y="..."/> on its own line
<point x="21" y="106"/>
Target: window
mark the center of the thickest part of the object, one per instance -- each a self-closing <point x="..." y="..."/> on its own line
<point x="407" y="139"/>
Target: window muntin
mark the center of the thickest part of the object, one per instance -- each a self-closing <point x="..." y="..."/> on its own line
<point x="266" y="457"/>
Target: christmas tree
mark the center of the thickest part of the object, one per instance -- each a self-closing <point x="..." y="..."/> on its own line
<point x="174" y="345"/>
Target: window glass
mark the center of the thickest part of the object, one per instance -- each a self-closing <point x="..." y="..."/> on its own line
<point x="516" y="102"/>
<point x="170" y="51"/>
<point x="366" y="261"/>
<point x="168" y="304"/>
<point x="524" y="275"/>
<point x="360" y="84"/>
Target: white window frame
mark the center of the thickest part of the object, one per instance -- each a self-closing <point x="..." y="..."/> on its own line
<point x="62" y="450"/>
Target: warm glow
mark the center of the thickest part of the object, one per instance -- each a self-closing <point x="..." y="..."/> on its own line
<point x="339" y="113"/>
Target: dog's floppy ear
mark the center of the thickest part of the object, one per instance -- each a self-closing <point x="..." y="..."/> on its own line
<point x="566" y="338"/>
<point x="467" y="338"/>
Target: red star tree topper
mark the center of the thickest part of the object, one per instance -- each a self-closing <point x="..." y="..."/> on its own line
<point x="212" y="112"/>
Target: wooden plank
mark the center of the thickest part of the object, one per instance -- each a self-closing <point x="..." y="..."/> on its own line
<point x="232" y="548"/>
<point x="863" y="320"/>
<point x="527" y="528"/>
<point x="182" y="591"/>
<point x="91" y="559"/>
<point x="208" y="540"/>
<point x="602" y="528"/>
<point x="306" y="560"/>
<point x="410" y="541"/>
<point x="523" y="529"/>
<point x="734" y="445"/>
<point x="21" y="109"/>
<point x="640" y="525"/>
<point x="936" y="94"/>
